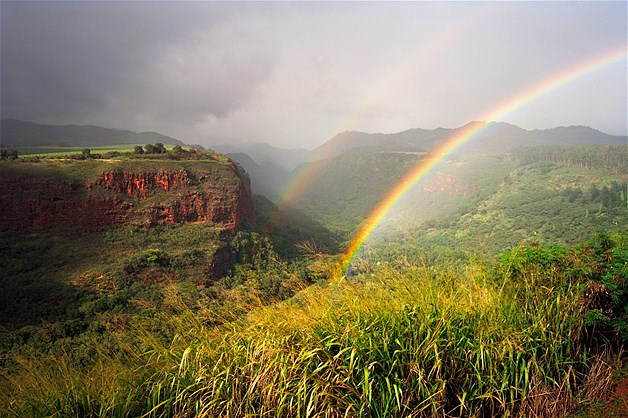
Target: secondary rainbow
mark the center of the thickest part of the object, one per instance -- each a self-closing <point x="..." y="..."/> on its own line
<point x="376" y="95"/>
<point x="467" y="134"/>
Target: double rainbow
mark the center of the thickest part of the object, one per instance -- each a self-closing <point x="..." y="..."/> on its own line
<point x="378" y="93"/>
<point x="465" y="135"/>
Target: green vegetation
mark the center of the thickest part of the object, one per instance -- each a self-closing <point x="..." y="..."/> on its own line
<point x="475" y="203"/>
<point x="512" y="302"/>
<point x="537" y="200"/>
<point x="457" y="187"/>
<point x="611" y="158"/>
<point x="88" y="170"/>
<point x="514" y="338"/>
<point x="345" y="189"/>
<point x="83" y="280"/>
<point x="8" y="153"/>
<point x="59" y="152"/>
<point x="130" y="151"/>
<point x="289" y="229"/>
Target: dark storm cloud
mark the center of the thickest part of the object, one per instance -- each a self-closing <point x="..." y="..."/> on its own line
<point x="129" y="63"/>
<point x="296" y="73"/>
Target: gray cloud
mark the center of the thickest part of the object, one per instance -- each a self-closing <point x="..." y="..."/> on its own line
<point x="294" y="74"/>
<point x="134" y="62"/>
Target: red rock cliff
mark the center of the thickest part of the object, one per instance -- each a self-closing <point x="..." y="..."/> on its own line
<point x="212" y="200"/>
<point x="34" y="202"/>
<point x="142" y="185"/>
<point x="118" y="197"/>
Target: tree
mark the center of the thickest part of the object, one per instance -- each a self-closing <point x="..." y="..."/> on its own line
<point x="138" y="149"/>
<point x="8" y="154"/>
<point x="150" y="149"/>
<point x="178" y="152"/>
<point x="159" y="148"/>
<point x="605" y="197"/>
<point x="594" y="193"/>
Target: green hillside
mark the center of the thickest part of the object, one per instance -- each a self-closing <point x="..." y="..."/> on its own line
<point x="488" y="203"/>
<point x="496" y="288"/>
<point x="552" y="202"/>
<point x="493" y="138"/>
<point x="344" y="190"/>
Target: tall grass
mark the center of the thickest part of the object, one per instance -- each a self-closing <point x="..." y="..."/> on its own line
<point x="55" y="386"/>
<point x="398" y="342"/>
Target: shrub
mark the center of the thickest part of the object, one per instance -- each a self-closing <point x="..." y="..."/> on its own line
<point x="8" y="153"/>
<point x="151" y="257"/>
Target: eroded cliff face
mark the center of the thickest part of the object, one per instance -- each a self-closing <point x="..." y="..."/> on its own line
<point x="142" y="185"/>
<point x="34" y="202"/>
<point x="122" y="197"/>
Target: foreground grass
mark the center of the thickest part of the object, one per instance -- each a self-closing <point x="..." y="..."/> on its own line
<point x="403" y="340"/>
<point x="613" y="406"/>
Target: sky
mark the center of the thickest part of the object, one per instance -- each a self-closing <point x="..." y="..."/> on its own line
<point x="294" y="74"/>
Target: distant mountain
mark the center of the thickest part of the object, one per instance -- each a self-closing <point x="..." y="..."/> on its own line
<point x="575" y="135"/>
<point x="266" y="179"/>
<point x="264" y="154"/>
<point x="28" y="134"/>
<point x="354" y="170"/>
<point x="494" y="138"/>
<point x="269" y="167"/>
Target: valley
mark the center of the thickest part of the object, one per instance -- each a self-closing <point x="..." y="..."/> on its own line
<point x="155" y="284"/>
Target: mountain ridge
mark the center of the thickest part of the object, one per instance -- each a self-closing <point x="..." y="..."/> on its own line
<point x="262" y="153"/>
<point x="14" y="132"/>
<point x="496" y="137"/>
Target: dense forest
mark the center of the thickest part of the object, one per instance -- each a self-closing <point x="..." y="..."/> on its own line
<point x="611" y="157"/>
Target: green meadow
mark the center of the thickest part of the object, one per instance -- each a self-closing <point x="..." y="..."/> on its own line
<point x="65" y="151"/>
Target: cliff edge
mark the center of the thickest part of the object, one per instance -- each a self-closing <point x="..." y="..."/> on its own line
<point x="95" y="194"/>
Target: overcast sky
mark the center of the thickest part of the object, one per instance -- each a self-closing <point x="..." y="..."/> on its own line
<point x="293" y="74"/>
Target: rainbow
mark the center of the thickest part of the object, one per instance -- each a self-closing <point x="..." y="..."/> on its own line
<point x="465" y="135"/>
<point x="447" y="36"/>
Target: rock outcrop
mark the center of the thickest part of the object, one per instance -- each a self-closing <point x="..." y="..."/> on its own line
<point x="34" y="202"/>
<point x="221" y="196"/>
<point x="142" y="185"/>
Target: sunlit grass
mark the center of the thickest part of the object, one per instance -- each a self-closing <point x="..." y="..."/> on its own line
<point x="402" y="341"/>
<point x="58" y="151"/>
<point x="55" y="386"/>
